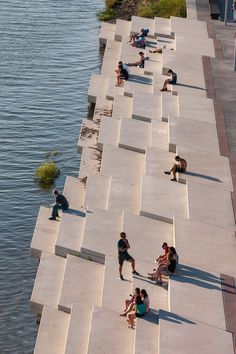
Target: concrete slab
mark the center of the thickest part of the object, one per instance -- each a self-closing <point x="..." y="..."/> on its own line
<point x="122" y="107"/>
<point x="191" y="27"/>
<point x="70" y="234"/>
<point x="162" y="27"/>
<point x="158" y="161"/>
<point x="198" y="45"/>
<point x="75" y="277"/>
<point x="48" y="282"/>
<point x="196" y="293"/>
<point x="122" y="29"/>
<point x="122" y="163"/>
<point x="124" y="195"/>
<point x="52" y="333"/>
<point x="101" y="234"/>
<point x="139" y="83"/>
<point x="97" y="193"/>
<point x="206" y="168"/>
<point x="212" y="208"/>
<point x="107" y="31"/>
<point x="146" y="106"/>
<point x="152" y="65"/>
<point x="78" y="332"/>
<point x="88" y="134"/>
<point x="109" y="132"/>
<point x="90" y="162"/>
<point x="169" y="105"/>
<point x="140" y="22"/>
<point x="134" y="135"/>
<point x="146" y="334"/>
<point x="112" y="50"/>
<point x="154" y="232"/>
<point x="45" y="234"/>
<point x="196" y="108"/>
<point x="112" y="299"/>
<point x="74" y="191"/>
<point x="112" y="88"/>
<point x="191" y="334"/>
<point x="106" y="321"/>
<point x="203" y="246"/>
<point x="194" y="134"/>
<point x="162" y="200"/>
<point x="160" y="135"/>
<point x="108" y="63"/>
<point x="97" y="87"/>
<point x="103" y="107"/>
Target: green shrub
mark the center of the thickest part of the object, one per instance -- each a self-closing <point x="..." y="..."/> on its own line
<point x="47" y="172"/>
<point x="106" y="15"/>
<point x="111" y="3"/>
<point x="162" y="8"/>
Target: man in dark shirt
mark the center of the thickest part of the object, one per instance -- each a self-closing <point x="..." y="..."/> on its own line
<point x="171" y="81"/>
<point x="60" y="203"/>
<point x="180" y="166"/>
<point x="123" y="255"/>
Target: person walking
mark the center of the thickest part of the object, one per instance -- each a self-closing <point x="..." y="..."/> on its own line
<point x="123" y="255"/>
<point x="60" y="203"/>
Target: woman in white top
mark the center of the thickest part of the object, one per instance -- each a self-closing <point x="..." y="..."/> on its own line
<point x="145" y="299"/>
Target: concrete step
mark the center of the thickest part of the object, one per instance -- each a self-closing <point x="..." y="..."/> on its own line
<point x="104" y="321"/>
<point x="158" y="161"/>
<point x="101" y="235"/>
<point x="112" y="88"/>
<point x="90" y="162"/>
<point x="70" y="234"/>
<point x="194" y="134"/>
<point x="48" y="282"/>
<point x="199" y="45"/>
<point x="124" y="195"/>
<point x="122" y="29"/>
<point x="162" y="27"/>
<point x="130" y="54"/>
<point x="173" y="337"/>
<point x="97" y="87"/>
<point x="79" y="272"/>
<point x="138" y="83"/>
<point x="45" y="234"/>
<point x="97" y="193"/>
<point x="122" y="107"/>
<point x="155" y="232"/>
<point x="140" y="22"/>
<point x="74" y="191"/>
<point x="208" y="209"/>
<point x="163" y="200"/>
<point x="159" y="135"/>
<point x="103" y="107"/>
<point x="107" y="31"/>
<point x="153" y="64"/>
<point x="52" y="333"/>
<point x="112" y="299"/>
<point x="169" y="105"/>
<point x="196" y="108"/>
<point x="78" y="332"/>
<point x="88" y="134"/>
<point x="112" y="50"/>
<point x="134" y="135"/>
<point x="146" y="106"/>
<point x="109" y="132"/>
<point x="122" y="163"/>
<point x="210" y="242"/>
<point x="193" y="28"/>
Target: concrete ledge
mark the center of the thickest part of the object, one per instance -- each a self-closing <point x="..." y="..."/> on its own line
<point x="134" y="135"/>
<point x="97" y="194"/>
<point x="107" y="31"/>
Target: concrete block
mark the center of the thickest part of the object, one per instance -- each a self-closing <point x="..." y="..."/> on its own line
<point x="169" y="105"/>
<point x="48" y="282"/>
<point x="112" y="88"/>
<point x="74" y="191"/>
<point x="162" y="27"/>
<point x="109" y="132"/>
<point x="162" y="200"/>
<point x="90" y="162"/>
<point x="122" y="29"/>
<point x="105" y="321"/>
<point x="146" y="106"/>
<point x="97" y="193"/>
<point x="122" y="163"/>
<point x="101" y="234"/>
<point x="191" y="334"/>
<point x="210" y="242"/>
<point x="159" y="135"/>
<point x="199" y="45"/>
<point x="191" y="27"/>
<point x="122" y="107"/>
<point x="194" y="134"/>
<point x="97" y="87"/>
<point x="79" y="272"/>
<point x="210" y="206"/>
<point x="158" y="161"/>
<point x="140" y="22"/>
<point x="45" y="234"/>
<point x="88" y="134"/>
<point x="112" y="50"/>
<point x="70" y="234"/>
<point x="134" y="135"/>
<point x="139" y="83"/>
<point x="107" y="31"/>
<point x="52" y="333"/>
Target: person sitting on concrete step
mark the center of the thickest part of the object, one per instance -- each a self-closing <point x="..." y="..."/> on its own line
<point x="171" y="81"/>
<point x="169" y="265"/>
<point x="60" y="203"/>
<point x="122" y="75"/>
<point x="140" y="62"/>
<point x="134" y="38"/>
<point x="129" y="304"/>
<point x="140" y="310"/>
<point x="179" y="167"/>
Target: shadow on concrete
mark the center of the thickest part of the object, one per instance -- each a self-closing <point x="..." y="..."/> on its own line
<point x="190" y="86"/>
<point x="151" y="316"/>
<point x="195" y="174"/>
<point x="140" y="79"/>
<point x="75" y="212"/>
<point x="172" y="317"/>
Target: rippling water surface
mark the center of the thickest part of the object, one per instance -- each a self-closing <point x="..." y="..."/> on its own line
<point x="48" y="50"/>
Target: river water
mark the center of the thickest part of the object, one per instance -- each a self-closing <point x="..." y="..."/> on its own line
<point x="48" y="50"/>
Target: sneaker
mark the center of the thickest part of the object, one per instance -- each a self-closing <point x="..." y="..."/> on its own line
<point x="164" y="89"/>
<point x="136" y="273"/>
<point x="52" y="218"/>
<point x="121" y="277"/>
<point x="166" y="172"/>
<point x="174" y="179"/>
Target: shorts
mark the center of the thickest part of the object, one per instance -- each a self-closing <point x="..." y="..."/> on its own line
<point x="180" y="170"/>
<point x="125" y="257"/>
<point x="172" y="82"/>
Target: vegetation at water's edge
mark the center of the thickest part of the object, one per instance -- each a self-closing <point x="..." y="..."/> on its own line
<point x="47" y="173"/>
<point x="143" y="8"/>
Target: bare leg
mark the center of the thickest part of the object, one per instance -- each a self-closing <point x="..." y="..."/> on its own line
<point x="133" y="265"/>
<point x="120" y="269"/>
